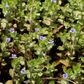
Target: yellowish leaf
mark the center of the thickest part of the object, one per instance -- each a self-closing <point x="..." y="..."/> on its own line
<point x="9" y="82"/>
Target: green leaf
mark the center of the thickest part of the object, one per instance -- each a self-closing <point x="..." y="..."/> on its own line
<point x="23" y="38"/>
<point x="51" y="82"/>
<point x="0" y="55"/>
<point x="21" y="48"/>
<point x="21" y="60"/>
<point x="61" y="48"/>
<point x="3" y="23"/>
<point x="82" y="59"/>
<point x="40" y="74"/>
<point x="3" y="45"/>
<point x="15" y="62"/>
<point x="11" y="71"/>
<point x="76" y="68"/>
<point x="63" y="82"/>
<point x="69" y="71"/>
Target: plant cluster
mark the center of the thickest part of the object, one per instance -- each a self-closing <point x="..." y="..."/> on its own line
<point x="42" y="39"/>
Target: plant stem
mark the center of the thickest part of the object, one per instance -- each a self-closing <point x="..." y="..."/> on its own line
<point x="71" y="81"/>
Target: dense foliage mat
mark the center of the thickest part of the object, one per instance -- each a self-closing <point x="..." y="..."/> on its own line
<point x="42" y="39"/>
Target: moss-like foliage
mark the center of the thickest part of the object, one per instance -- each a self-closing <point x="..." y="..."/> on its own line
<point x="41" y="41"/>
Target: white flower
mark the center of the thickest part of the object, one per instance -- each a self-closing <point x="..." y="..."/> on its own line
<point x="8" y="40"/>
<point x="42" y="38"/>
<point x="14" y="56"/>
<point x="53" y="1"/>
<point x="11" y="30"/>
<point x="23" y="71"/>
<point x="51" y="42"/>
<point x="72" y="30"/>
<point x="36" y="29"/>
<point x="65" y="75"/>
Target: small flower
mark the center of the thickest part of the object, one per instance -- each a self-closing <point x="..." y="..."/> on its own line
<point x="12" y="30"/>
<point x="14" y="56"/>
<point x="53" y="1"/>
<point x="65" y="75"/>
<point x="43" y="53"/>
<point x="8" y="40"/>
<point x="6" y="5"/>
<point x="51" y="42"/>
<point x="23" y="71"/>
<point x="72" y="30"/>
<point x="36" y="29"/>
<point x="42" y="38"/>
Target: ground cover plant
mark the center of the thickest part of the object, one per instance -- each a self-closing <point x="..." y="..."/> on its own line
<point x="42" y="42"/>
